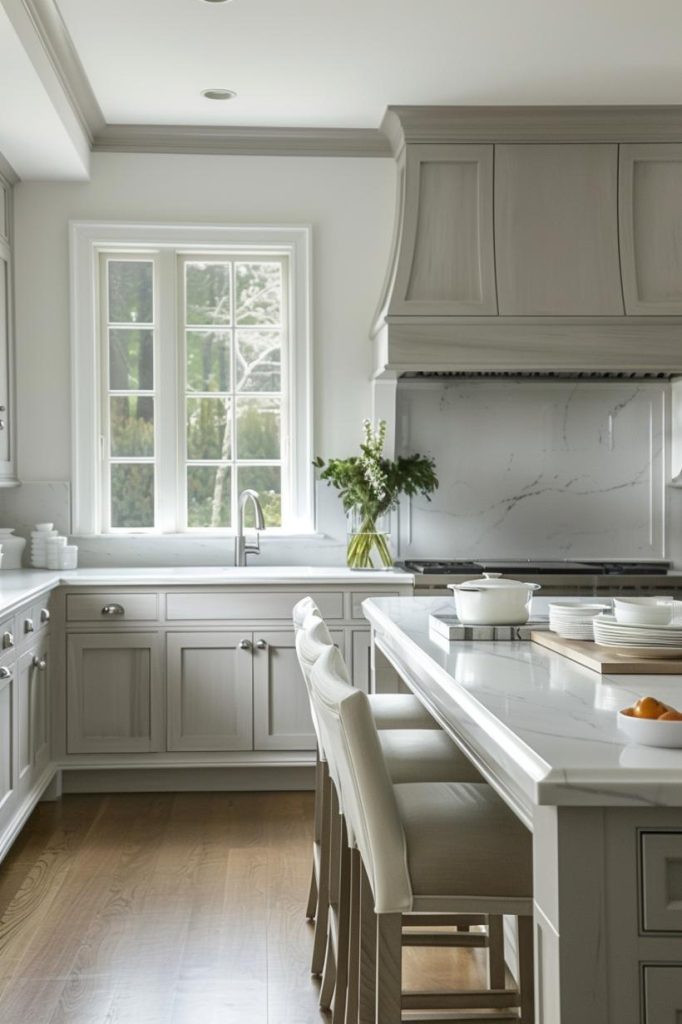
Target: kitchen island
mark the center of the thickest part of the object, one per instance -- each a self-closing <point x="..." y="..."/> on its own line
<point x="606" y="816"/>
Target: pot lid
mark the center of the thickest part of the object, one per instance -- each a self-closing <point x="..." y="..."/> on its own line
<point x="494" y="581"/>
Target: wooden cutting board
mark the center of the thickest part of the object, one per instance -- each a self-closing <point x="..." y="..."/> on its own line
<point x="600" y="659"/>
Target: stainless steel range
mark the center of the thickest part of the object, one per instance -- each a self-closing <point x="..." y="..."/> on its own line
<point x="556" y="577"/>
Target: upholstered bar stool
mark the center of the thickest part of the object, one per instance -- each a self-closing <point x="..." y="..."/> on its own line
<point x="426" y="848"/>
<point x="412" y="755"/>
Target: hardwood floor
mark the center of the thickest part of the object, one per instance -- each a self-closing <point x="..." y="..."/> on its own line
<point x="170" y="909"/>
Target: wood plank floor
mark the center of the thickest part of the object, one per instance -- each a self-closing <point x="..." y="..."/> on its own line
<point x="170" y="909"/>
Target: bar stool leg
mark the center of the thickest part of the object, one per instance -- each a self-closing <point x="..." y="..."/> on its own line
<point x="526" y="981"/>
<point x="389" y="969"/>
<point x="367" y="965"/>
<point x="497" y="973"/>
<point x="354" y="940"/>
<point x="322" y="909"/>
<point x="329" y="970"/>
<point x="343" y="933"/>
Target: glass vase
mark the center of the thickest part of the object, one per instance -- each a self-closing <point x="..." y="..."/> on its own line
<point x="368" y="540"/>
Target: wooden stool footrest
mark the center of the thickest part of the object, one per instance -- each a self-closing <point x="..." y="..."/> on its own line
<point x="473" y="999"/>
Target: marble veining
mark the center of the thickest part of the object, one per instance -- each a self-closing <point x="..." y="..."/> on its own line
<point x="537" y="469"/>
<point x="549" y="722"/>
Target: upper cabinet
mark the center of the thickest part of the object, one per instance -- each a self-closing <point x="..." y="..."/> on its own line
<point x="651" y="228"/>
<point x="556" y="230"/>
<point x="446" y="262"/>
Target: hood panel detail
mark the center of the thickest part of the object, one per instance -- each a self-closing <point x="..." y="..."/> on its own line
<point x="513" y="254"/>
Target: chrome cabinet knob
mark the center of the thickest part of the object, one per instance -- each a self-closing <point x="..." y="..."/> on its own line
<point x="39" y="663"/>
<point x="113" y="609"/>
<point x="28" y="626"/>
<point x="7" y="640"/>
<point x="5" y="673"/>
<point x="44" y="614"/>
<point x="262" y="645"/>
<point x="244" y="645"/>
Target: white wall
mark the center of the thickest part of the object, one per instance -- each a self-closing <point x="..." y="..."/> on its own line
<point x="349" y="202"/>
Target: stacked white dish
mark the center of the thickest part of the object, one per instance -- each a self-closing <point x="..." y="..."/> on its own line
<point x="39" y="538"/>
<point x="639" y="641"/>
<point x="574" y="621"/>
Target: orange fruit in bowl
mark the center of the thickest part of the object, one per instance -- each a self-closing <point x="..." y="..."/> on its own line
<point x="649" y="707"/>
<point x="671" y="716"/>
<point x="630" y="712"/>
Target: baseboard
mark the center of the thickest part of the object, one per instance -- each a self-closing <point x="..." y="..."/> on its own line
<point x="188" y="780"/>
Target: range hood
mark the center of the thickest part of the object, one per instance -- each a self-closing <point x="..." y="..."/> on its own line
<point x="534" y="240"/>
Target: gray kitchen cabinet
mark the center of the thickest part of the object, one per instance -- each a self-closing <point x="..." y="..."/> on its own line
<point x="281" y="709"/>
<point x="650" y="211"/>
<point x="446" y="262"/>
<point x="32" y="693"/>
<point x="662" y="994"/>
<point x="114" y="693"/>
<point x="7" y="771"/>
<point x="556" y="230"/>
<point x="210" y="690"/>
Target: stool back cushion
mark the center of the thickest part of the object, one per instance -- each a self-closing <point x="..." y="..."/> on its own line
<point x="367" y="795"/>
<point x="312" y="639"/>
<point x="302" y="609"/>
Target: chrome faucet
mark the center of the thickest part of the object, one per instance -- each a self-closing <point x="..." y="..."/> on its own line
<point x="241" y="548"/>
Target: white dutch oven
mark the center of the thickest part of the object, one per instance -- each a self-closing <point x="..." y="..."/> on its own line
<point x="493" y="601"/>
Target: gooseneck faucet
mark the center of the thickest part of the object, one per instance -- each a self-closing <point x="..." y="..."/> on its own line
<point x="241" y="548"/>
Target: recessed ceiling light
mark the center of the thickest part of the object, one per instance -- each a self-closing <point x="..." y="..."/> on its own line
<point x="218" y="94"/>
<point x="216" y="1"/>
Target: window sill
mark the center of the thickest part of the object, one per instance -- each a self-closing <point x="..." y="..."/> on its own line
<point x="266" y="537"/>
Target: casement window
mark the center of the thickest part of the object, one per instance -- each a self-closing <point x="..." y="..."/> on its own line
<point x="191" y="377"/>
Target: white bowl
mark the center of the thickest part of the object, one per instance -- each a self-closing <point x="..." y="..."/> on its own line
<point x="643" y="611"/>
<point x="43" y="527"/>
<point x="650" y="732"/>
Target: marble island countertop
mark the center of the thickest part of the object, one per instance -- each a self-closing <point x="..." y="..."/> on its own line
<point x="546" y="724"/>
<point x="22" y="585"/>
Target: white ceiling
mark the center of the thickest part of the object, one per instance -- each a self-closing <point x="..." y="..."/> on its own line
<point x="339" y="63"/>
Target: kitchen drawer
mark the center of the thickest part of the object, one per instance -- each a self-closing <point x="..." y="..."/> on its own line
<point x="356" y="599"/>
<point x="246" y="605"/>
<point x="33" y="619"/>
<point x="135" y="607"/>
<point x="661" y="860"/>
<point x="662" y="993"/>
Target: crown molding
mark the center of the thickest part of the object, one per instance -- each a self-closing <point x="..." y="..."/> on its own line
<point x="7" y="172"/>
<point x="442" y="124"/>
<point x="49" y="26"/>
<point x="146" y="138"/>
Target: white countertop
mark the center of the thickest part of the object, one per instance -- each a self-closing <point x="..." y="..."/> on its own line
<point x="22" y="585"/>
<point x="545" y="724"/>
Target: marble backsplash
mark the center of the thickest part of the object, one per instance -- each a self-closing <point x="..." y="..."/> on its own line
<point x="537" y="469"/>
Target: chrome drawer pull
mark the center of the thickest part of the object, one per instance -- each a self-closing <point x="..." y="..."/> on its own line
<point x="244" y="645"/>
<point x="262" y="645"/>
<point x="44" y="615"/>
<point x="7" y="640"/>
<point x="28" y="626"/>
<point x="39" y="663"/>
<point x="5" y="673"/>
<point x="113" y="609"/>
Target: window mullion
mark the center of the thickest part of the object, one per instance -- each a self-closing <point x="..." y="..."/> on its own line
<point x="166" y="380"/>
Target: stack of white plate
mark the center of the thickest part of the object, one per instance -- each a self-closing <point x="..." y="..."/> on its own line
<point x="574" y="621"/>
<point x="639" y="641"/>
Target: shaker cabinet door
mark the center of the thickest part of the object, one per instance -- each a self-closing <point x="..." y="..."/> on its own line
<point x="281" y="706"/>
<point x="663" y="994"/>
<point x="114" y="696"/>
<point x="650" y="209"/>
<point x="210" y="691"/>
<point x="32" y="714"/>
<point x="7" y="742"/>
<point x="5" y="433"/>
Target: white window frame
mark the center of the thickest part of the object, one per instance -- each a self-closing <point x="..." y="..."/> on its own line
<point x="87" y="240"/>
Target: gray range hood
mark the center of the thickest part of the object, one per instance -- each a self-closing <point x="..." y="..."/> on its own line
<point x="545" y="239"/>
